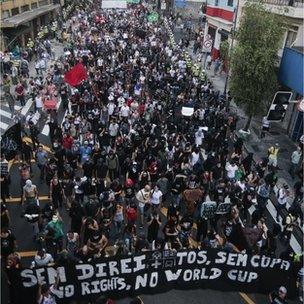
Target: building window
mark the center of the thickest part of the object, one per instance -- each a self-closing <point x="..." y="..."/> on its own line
<point x="25" y="8"/>
<point x="290" y="38"/>
<point x="43" y="2"/>
<point x="216" y="2"/>
<point x="34" y="5"/>
<point x="230" y="3"/>
<point x="15" y="11"/>
<point x="5" y="14"/>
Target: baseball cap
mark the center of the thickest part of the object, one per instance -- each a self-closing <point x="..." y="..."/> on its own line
<point x="283" y="289"/>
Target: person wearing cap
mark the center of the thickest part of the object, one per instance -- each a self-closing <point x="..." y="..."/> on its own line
<point x="273" y="155"/>
<point x="278" y="296"/>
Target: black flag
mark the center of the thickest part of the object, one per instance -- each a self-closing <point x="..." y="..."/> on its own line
<point x="11" y="141"/>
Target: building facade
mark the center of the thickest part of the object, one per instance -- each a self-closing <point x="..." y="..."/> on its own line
<point x="22" y="19"/>
<point x="290" y="61"/>
<point x="219" y="15"/>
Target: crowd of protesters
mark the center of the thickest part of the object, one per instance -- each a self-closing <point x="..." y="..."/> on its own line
<point x="130" y="170"/>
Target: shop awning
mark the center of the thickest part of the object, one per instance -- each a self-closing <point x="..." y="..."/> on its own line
<point x="19" y="19"/>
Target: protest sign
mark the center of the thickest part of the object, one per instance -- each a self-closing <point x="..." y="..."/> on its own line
<point x="208" y="209"/>
<point x="157" y="272"/>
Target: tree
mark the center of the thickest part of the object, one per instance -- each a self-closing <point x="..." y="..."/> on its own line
<point x="253" y="77"/>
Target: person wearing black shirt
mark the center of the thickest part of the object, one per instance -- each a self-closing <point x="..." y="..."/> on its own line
<point x="154" y="223"/>
<point x="26" y="154"/>
<point x="8" y="242"/>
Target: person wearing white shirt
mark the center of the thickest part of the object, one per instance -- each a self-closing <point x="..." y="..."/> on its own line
<point x="111" y="107"/>
<point x="156" y="197"/>
<point x="199" y="136"/>
<point x="38" y="103"/>
<point x="231" y="168"/>
<point x="113" y="129"/>
<point x="42" y="258"/>
<point x="125" y="111"/>
<point x="195" y="156"/>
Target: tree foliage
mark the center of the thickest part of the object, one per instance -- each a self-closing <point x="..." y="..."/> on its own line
<point x="253" y="77"/>
<point x="224" y="50"/>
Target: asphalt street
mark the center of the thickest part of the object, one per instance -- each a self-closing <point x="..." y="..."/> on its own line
<point x="27" y="247"/>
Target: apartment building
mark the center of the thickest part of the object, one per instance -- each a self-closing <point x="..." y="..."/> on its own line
<point x="22" y="19"/>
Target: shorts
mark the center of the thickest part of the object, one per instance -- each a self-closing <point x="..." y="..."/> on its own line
<point x="141" y="208"/>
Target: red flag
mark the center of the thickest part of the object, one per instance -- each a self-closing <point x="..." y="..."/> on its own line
<point x="76" y="75"/>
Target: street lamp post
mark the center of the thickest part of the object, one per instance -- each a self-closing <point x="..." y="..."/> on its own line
<point x="231" y="45"/>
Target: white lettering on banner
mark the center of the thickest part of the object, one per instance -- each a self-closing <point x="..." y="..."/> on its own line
<point x="104" y="285"/>
<point x="87" y="271"/>
<point x="222" y="257"/>
<point x="124" y="266"/>
<point x="266" y="262"/>
<point x="139" y="263"/>
<point x="242" y="276"/>
<point x="172" y="276"/>
<point x="141" y="281"/>
<point x="28" y="274"/>
<point x="181" y="255"/>
<point x="138" y="272"/>
<point x="40" y="277"/>
<point x="53" y="273"/>
<point x="113" y="268"/>
<point x="191" y="257"/>
<point x="64" y="291"/>
<point x="100" y="270"/>
<point x="203" y="255"/>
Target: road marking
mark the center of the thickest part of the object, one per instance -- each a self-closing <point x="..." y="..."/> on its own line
<point x="27" y="254"/>
<point x="3" y="125"/>
<point x="5" y="114"/>
<point x="46" y="148"/>
<point x="246" y="298"/>
<point x="27" y="106"/>
<point x="17" y="199"/>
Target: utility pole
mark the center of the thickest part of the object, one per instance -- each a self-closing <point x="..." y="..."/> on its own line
<point x="232" y="43"/>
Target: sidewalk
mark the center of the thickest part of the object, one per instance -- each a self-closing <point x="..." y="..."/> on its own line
<point x="255" y="144"/>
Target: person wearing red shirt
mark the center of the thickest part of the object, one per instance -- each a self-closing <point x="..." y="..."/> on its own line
<point x="67" y="141"/>
<point x="20" y="92"/>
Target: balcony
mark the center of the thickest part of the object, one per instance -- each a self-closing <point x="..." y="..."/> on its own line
<point x="288" y="8"/>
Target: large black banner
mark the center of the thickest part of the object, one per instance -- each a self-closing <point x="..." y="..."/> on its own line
<point x="11" y="141"/>
<point x="157" y="272"/>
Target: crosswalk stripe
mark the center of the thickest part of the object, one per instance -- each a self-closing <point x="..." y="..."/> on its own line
<point x="5" y="114"/>
<point x="3" y="125"/>
<point x="27" y="106"/>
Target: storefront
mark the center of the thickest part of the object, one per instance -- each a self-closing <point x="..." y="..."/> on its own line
<point x="291" y="76"/>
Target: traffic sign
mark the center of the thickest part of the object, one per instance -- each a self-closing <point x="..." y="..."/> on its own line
<point x="207" y="44"/>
